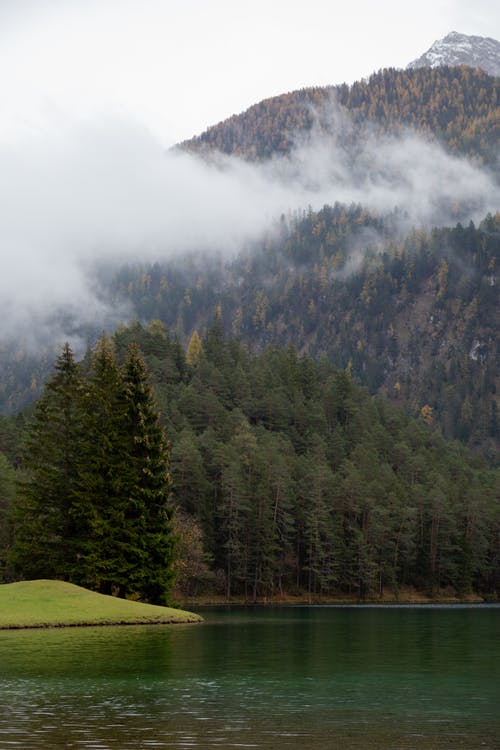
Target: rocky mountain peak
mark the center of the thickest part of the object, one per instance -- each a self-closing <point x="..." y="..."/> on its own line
<point x="461" y="49"/>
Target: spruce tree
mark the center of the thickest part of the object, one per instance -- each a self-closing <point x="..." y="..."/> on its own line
<point x="149" y="491"/>
<point x="7" y="499"/>
<point x="110" y="553"/>
<point x="46" y="530"/>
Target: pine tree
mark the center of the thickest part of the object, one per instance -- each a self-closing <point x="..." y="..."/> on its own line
<point x="7" y="498"/>
<point x="149" y="491"/>
<point x="46" y="531"/>
<point x="108" y="553"/>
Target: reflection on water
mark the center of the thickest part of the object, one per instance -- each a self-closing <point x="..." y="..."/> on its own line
<point x="305" y="677"/>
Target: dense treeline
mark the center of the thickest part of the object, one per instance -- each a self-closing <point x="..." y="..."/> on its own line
<point x="300" y="480"/>
<point x="294" y="479"/>
<point x="457" y="105"/>
<point x="415" y="318"/>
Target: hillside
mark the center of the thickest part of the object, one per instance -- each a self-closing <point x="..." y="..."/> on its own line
<point x="414" y="314"/>
<point x="415" y="319"/>
<point x="411" y="309"/>
<point x="459" y="106"/>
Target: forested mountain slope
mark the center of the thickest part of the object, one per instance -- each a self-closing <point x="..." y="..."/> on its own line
<point x="457" y="105"/>
<point x="413" y="312"/>
<point x="414" y="318"/>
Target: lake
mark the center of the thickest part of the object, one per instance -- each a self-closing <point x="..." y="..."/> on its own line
<point x="280" y="677"/>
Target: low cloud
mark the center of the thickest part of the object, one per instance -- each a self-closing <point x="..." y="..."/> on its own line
<point x="340" y="161"/>
<point x="84" y="193"/>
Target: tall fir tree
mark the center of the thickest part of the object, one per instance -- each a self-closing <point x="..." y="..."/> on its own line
<point x="112" y="551"/>
<point x="7" y="499"/>
<point x="149" y="492"/>
<point x="47" y="533"/>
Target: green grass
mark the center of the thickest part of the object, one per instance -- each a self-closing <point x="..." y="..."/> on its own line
<point x="40" y="604"/>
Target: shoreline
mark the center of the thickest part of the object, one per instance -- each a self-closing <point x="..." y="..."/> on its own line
<point x="406" y="597"/>
<point x="118" y="624"/>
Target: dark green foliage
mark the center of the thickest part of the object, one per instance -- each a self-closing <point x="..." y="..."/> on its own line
<point x="7" y="501"/>
<point x="44" y="524"/>
<point x="150" y="513"/>
<point x="294" y="478"/>
<point x="94" y="506"/>
<point x="302" y="481"/>
<point x="110" y="555"/>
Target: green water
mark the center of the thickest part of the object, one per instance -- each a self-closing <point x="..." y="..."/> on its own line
<point x="308" y="677"/>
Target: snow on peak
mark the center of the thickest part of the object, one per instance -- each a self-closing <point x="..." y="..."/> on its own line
<point x="460" y="49"/>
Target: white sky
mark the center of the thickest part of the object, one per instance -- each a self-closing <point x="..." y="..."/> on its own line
<point x="92" y="92"/>
<point x="178" y="66"/>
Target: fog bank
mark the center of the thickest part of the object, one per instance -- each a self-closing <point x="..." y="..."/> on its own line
<point x="87" y="192"/>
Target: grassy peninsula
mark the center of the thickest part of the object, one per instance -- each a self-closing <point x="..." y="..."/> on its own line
<point x="45" y="603"/>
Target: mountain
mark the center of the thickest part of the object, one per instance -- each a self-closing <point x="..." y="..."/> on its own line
<point x="461" y="49"/>
<point x="411" y="311"/>
<point x="416" y="320"/>
<point x="457" y="106"/>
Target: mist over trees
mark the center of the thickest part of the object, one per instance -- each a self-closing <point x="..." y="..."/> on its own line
<point x="290" y="469"/>
<point x="424" y="140"/>
<point x="457" y="105"/>
<point x="415" y="317"/>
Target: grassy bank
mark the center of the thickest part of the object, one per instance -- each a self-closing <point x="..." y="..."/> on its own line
<point x="40" y="604"/>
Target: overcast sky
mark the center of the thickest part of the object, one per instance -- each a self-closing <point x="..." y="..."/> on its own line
<point x="178" y="66"/>
<point x="92" y="92"/>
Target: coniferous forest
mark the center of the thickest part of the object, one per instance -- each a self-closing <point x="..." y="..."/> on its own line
<point x="286" y="477"/>
<point x="457" y="105"/>
<point x="249" y="376"/>
<point x="416" y="320"/>
<point x="416" y="317"/>
<point x="93" y="496"/>
<point x="313" y="413"/>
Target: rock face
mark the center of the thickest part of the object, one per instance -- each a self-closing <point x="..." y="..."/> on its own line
<point x="460" y="49"/>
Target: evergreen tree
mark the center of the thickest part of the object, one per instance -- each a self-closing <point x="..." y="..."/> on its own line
<point x="94" y="506"/>
<point x="317" y="528"/>
<point x="7" y="497"/>
<point x="191" y="485"/>
<point x="149" y="492"/>
<point x="46" y="531"/>
<point x="108" y="554"/>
